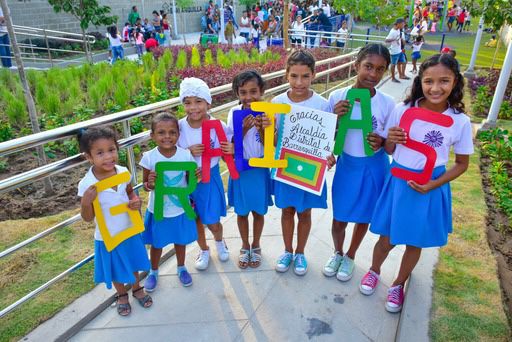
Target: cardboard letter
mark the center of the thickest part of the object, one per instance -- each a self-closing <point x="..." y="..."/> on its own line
<point x="269" y="149"/>
<point x="182" y="193"/>
<point x="210" y="152"/>
<point x="406" y="121"/>
<point x="137" y="227"/>
<point x="345" y="122"/>
<point x="238" y="131"/>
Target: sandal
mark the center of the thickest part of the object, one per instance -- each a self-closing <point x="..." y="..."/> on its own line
<point x="244" y="258"/>
<point x="123" y="309"/>
<point x="145" y="301"/>
<point x="255" y="257"/>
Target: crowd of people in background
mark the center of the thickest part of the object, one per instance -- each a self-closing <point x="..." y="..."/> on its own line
<point x="427" y="17"/>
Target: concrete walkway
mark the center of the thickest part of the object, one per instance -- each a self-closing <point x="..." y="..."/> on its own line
<point x="229" y="304"/>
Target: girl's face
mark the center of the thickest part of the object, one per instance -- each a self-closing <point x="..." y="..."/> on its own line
<point x="196" y="108"/>
<point x="103" y="155"/>
<point x="165" y="135"/>
<point x="437" y="83"/>
<point x="248" y="93"/>
<point x="370" y="71"/>
<point x="300" y="77"/>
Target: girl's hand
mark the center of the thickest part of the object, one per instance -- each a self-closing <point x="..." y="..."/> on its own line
<point x="331" y="161"/>
<point x="397" y="135"/>
<point x="196" y="150"/>
<point x="422" y="188"/>
<point x="262" y="121"/>
<point x="342" y="107"/>
<point x="248" y="123"/>
<point x="227" y="147"/>
<point x="374" y="140"/>
<point x="198" y="174"/>
<point x="151" y="180"/>
<point x="135" y="203"/>
<point x="89" y="195"/>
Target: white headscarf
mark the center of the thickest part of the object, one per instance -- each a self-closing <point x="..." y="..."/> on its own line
<point x="192" y="86"/>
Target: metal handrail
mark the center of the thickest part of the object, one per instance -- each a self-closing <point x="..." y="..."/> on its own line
<point x="67" y="163"/>
<point x="32" y="31"/>
<point x="33" y="140"/>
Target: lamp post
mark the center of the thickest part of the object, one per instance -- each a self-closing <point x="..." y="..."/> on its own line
<point x="470" y="72"/>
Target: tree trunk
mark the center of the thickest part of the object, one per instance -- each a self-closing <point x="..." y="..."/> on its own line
<point x="26" y="91"/>
<point x="286" y="24"/>
<point x="88" y="55"/>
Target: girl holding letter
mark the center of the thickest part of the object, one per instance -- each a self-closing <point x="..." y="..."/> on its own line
<point x="358" y="179"/>
<point x="409" y="213"/>
<point x="122" y="264"/>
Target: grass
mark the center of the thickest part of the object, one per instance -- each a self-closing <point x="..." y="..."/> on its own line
<point x="462" y="43"/>
<point x="467" y="303"/>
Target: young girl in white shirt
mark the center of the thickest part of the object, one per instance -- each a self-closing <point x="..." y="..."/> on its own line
<point x="408" y="213"/>
<point x="175" y="227"/>
<point x="122" y="264"/>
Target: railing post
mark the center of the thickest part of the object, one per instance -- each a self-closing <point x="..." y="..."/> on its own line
<point x="327" y="78"/>
<point x="48" y="47"/>
<point x="367" y="35"/>
<point x="31" y="48"/>
<point x="130" y="156"/>
<point x="442" y="42"/>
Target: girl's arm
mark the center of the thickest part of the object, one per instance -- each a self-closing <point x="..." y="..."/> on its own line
<point x="86" y="208"/>
<point x="148" y="179"/>
<point x="396" y="135"/>
<point x="135" y="202"/>
<point x="461" y="165"/>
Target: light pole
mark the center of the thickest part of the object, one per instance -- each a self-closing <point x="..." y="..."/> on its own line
<point x="470" y="72"/>
<point x="500" y="90"/>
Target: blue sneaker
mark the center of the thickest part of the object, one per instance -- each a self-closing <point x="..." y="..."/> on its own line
<point x="150" y="283"/>
<point x="284" y="261"/>
<point x="185" y="278"/>
<point x="300" y="265"/>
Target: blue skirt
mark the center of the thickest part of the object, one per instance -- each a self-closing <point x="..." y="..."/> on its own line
<point x="287" y="196"/>
<point x="357" y="185"/>
<point x="250" y="192"/>
<point x="179" y="230"/>
<point x="119" y="265"/>
<point x="209" y="200"/>
<point x="408" y="217"/>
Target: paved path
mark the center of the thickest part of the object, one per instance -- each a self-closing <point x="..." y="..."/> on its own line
<point x="229" y="304"/>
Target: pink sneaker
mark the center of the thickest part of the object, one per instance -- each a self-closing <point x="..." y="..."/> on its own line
<point x="369" y="283"/>
<point x="395" y="299"/>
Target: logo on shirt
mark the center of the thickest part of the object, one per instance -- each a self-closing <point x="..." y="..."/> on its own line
<point x="374" y="123"/>
<point x="212" y="143"/>
<point x="258" y="137"/>
<point x="433" y="138"/>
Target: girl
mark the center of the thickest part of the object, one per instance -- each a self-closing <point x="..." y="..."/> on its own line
<point x="296" y="38"/>
<point x="416" y="54"/>
<point x="115" y="42"/>
<point x="300" y="73"/>
<point x="255" y="35"/>
<point x="358" y="179"/>
<point x="419" y="216"/>
<point x="166" y="27"/>
<point x="251" y="192"/>
<point x="208" y="198"/>
<point x="139" y="42"/>
<point x="343" y="35"/>
<point x="123" y="263"/>
<point x="175" y="227"/>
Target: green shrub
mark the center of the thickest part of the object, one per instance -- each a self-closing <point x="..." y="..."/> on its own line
<point x="6" y="132"/>
<point x="208" y="58"/>
<point x="148" y="61"/>
<point x="16" y="112"/>
<point x="181" y="60"/>
<point x="195" y="58"/>
<point x="51" y="104"/>
<point x="121" y="97"/>
<point x="166" y="59"/>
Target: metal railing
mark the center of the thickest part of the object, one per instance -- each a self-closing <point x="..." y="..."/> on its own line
<point x="127" y="142"/>
<point x="312" y="38"/>
<point x="30" y="40"/>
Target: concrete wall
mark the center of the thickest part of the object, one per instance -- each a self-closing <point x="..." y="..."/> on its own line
<point x="38" y="13"/>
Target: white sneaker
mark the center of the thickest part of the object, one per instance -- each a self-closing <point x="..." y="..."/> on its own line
<point x="202" y="260"/>
<point x="222" y="250"/>
<point x="346" y="270"/>
<point x="332" y="265"/>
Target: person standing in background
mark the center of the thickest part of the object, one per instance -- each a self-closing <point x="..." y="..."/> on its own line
<point x="245" y="26"/>
<point x="133" y="16"/>
<point x="5" y="51"/>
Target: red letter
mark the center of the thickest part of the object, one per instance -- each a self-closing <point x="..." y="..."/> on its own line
<point x="406" y="121"/>
<point x="210" y="152"/>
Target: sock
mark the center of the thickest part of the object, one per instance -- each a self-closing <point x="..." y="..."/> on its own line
<point x="181" y="268"/>
<point x="154" y="272"/>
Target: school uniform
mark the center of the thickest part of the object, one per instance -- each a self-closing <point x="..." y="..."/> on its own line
<point x="285" y="195"/>
<point x="252" y="190"/>
<point x="358" y="179"/>
<point x="209" y="199"/>
<point x="409" y="217"/>
<point x="130" y="255"/>
<point x="175" y="227"/>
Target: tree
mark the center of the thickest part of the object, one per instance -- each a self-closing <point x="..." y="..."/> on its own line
<point x="496" y="12"/>
<point x="87" y="12"/>
<point x="248" y="3"/>
<point x="377" y="12"/>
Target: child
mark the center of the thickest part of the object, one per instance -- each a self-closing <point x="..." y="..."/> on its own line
<point x="492" y="42"/>
<point x="115" y="44"/>
<point x="229" y="32"/>
<point x="139" y="42"/>
<point x="255" y="34"/>
<point x="300" y="72"/>
<point x="123" y="263"/>
<point x="208" y="198"/>
<point x="416" y="47"/>
<point x="176" y="227"/>
<point x="407" y="213"/>
<point x="126" y="32"/>
<point x="160" y="37"/>
<point x="358" y="179"/>
<point x="251" y="192"/>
